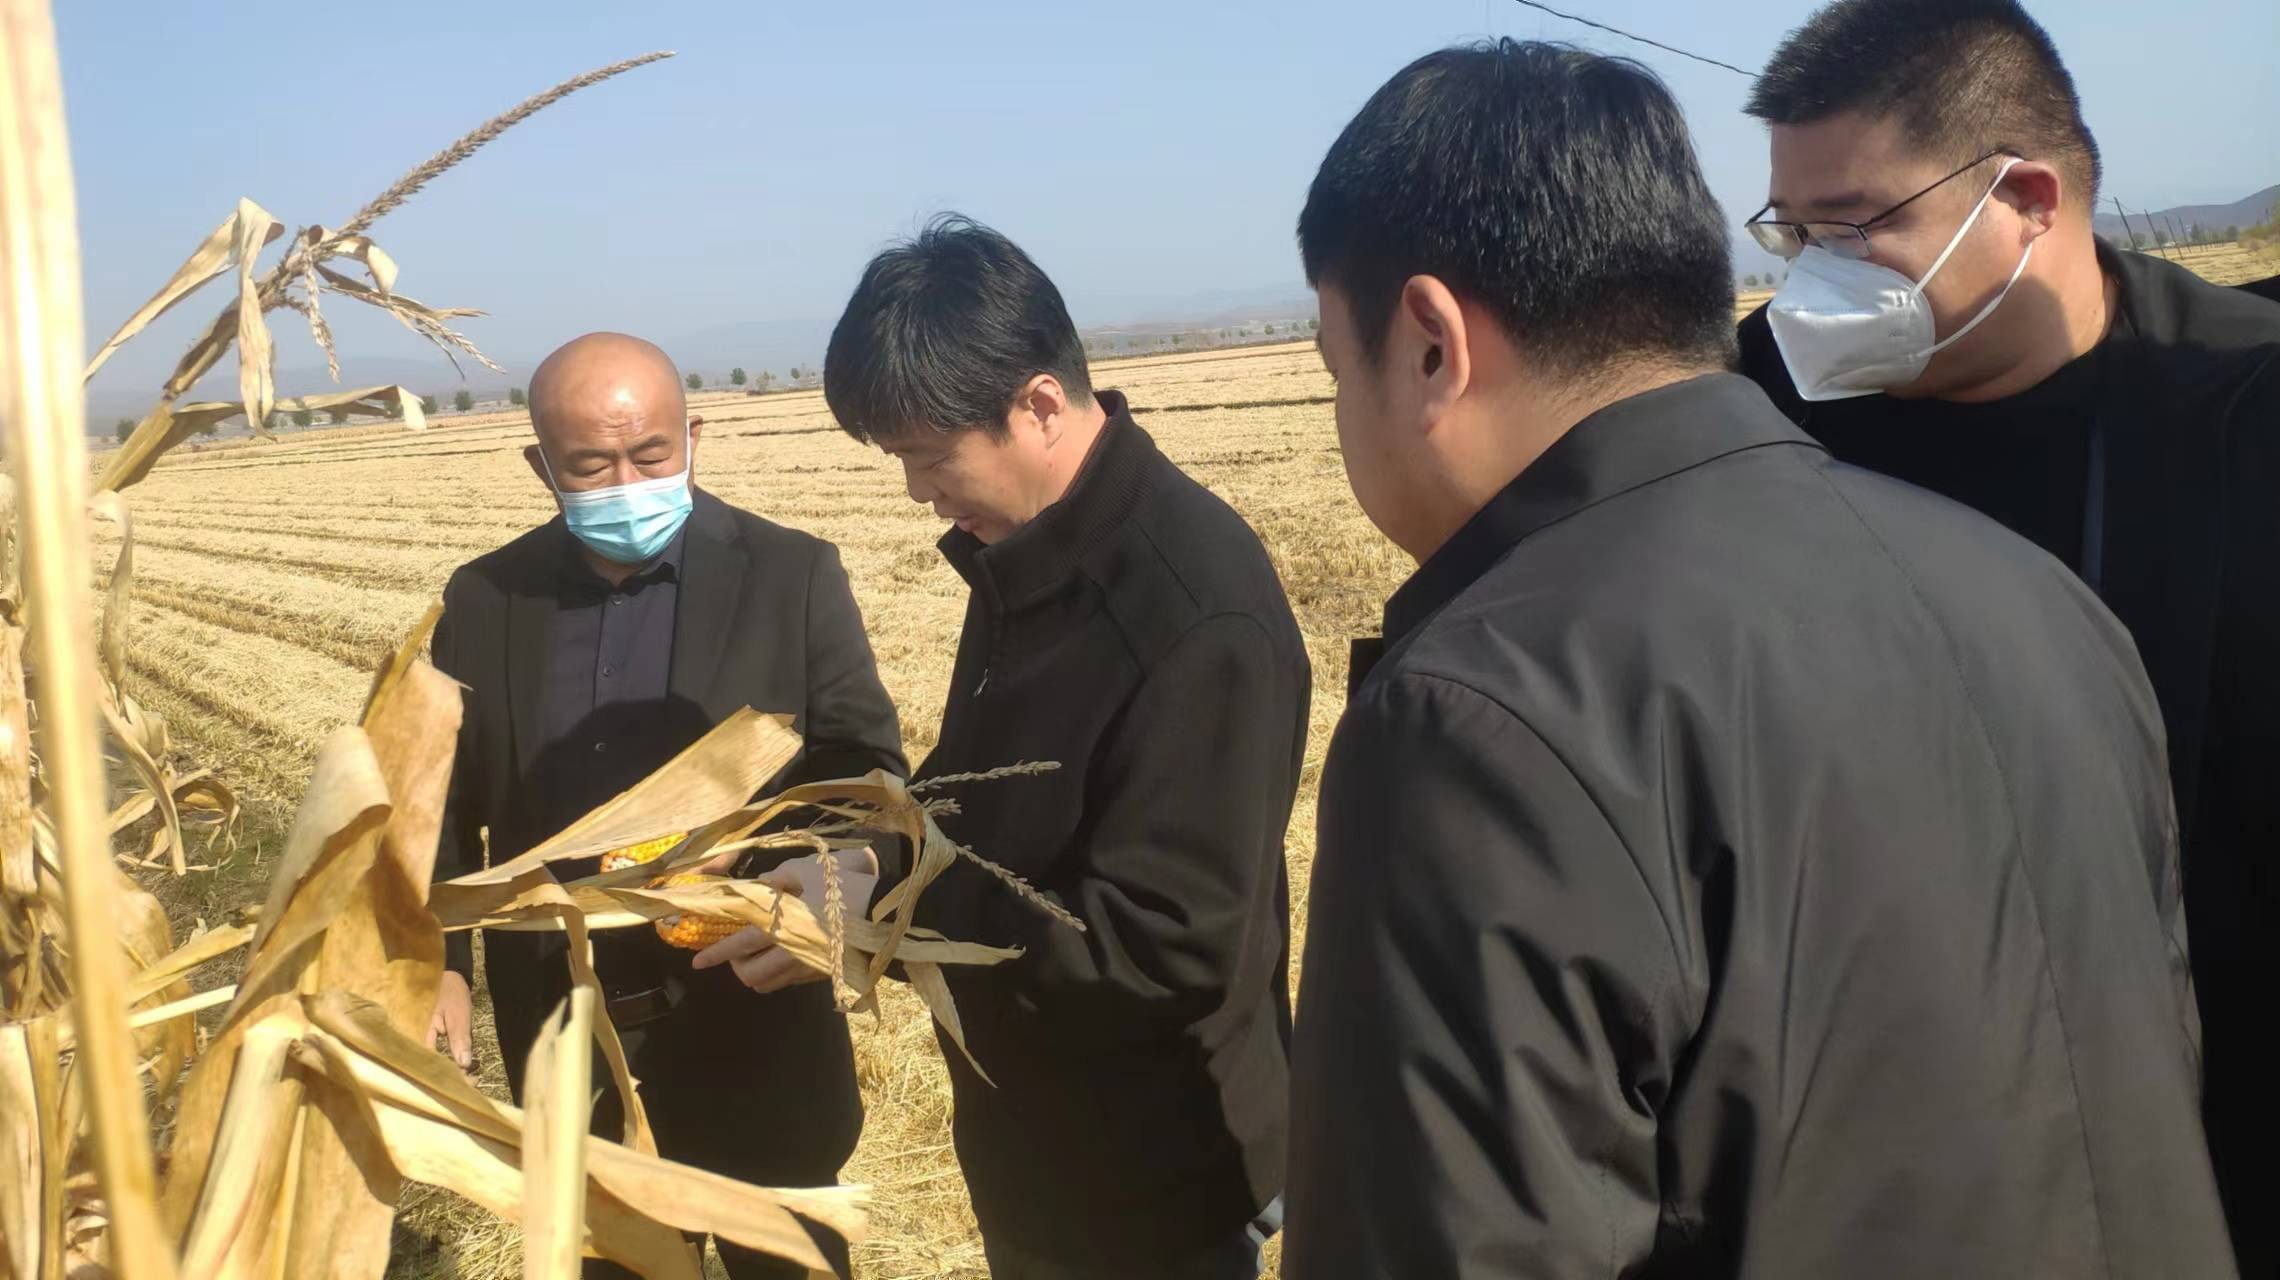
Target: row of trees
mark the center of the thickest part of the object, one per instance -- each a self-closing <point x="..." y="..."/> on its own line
<point x="1109" y="346"/>
<point x="2195" y="234"/>
<point x="462" y="400"/>
<point x="800" y="376"/>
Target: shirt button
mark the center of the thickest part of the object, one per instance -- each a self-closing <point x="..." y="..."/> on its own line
<point x="599" y="747"/>
<point x="617" y="599"/>
<point x="608" y="670"/>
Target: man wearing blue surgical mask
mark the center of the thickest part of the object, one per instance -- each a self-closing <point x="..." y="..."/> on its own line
<point x="595" y="648"/>
<point x="1949" y="318"/>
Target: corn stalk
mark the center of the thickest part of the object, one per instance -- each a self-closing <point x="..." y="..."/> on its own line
<point x="44" y="422"/>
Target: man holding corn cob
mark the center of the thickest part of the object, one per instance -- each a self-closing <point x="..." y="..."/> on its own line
<point x="1127" y="625"/>
<point x="596" y="647"/>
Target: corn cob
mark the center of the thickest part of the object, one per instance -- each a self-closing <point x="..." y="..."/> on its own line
<point x="646" y="851"/>
<point x="689" y="931"/>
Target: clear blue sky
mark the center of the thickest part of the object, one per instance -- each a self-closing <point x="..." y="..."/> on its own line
<point x="1145" y="154"/>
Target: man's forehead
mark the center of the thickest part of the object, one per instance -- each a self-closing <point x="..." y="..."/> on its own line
<point x="1844" y="163"/>
<point x="589" y="434"/>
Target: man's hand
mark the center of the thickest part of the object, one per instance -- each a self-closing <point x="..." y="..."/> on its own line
<point x="454" y="1022"/>
<point x="759" y="963"/>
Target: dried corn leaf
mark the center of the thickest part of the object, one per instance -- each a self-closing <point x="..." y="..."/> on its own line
<point x="335" y="838"/>
<point x="133" y="739"/>
<point x="535" y="902"/>
<point x="62" y="1112"/>
<point x="119" y="599"/>
<point x="166" y="426"/>
<point x="170" y="424"/>
<point x="153" y="1015"/>
<point x="312" y="306"/>
<point x="391" y="1065"/>
<point x="382" y="267"/>
<point x="558" y="1108"/>
<point x="208" y="261"/>
<point x="251" y="1153"/>
<point x="143" y="930"/>
<point x="256" y="387"/>
<point x="520" y="895"/>
<point x="484" y="1170"/>
<point x="333" y="843"/>
<point x="20" y="912"/>
<point x="383" y="947"/>
<point x="402" y="1074"/>
<point x="208" y="945"/>
<point x="638" y="1134"/>
<point x="932" y="989"/>
<point x="417" y="316"/>
<point x="355" y="1156"/>
<point x="714" y="777"/>
<point x="24" y="1229"/>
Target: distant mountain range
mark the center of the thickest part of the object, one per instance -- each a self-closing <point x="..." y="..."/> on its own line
<point x="2247" y="211"/>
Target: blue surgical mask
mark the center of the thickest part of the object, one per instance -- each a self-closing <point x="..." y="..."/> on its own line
<point x="627" y="523"/>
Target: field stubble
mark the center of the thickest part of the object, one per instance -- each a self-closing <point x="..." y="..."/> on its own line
<point x="268" y="576"/>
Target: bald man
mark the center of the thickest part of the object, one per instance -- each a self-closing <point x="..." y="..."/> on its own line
<point x="596" y="647"/>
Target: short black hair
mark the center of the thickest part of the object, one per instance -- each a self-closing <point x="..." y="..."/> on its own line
<point x="1554" y="187"/>
<point x="1961" y="78"/>
<point x="943" y="332"/>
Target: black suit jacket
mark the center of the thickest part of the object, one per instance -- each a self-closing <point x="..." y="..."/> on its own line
<point x="1740" y="864"/>
<point x="2191" y="565"/>
<point x="765" y="620"/>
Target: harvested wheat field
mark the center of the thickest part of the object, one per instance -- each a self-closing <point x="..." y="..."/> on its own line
<point x="269" y="576"/>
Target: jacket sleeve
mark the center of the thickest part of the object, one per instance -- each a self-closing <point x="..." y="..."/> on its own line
<point x="851" y="727"/>
<point x="459" y="847"/>
<point x="1187" y="803"/>
<point x="1488" y="1008"/>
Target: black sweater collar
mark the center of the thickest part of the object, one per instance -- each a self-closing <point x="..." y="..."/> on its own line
<point x="1046" y="552"/>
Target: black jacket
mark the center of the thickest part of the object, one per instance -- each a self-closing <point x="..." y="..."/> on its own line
<point x="765" y="620"/>
<point x="1739" y="864"/>
<point x="1135" y="632"/>
<point x="2190" y="414"/>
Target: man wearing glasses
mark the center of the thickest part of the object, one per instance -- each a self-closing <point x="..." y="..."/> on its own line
<point x="1949" y="318"/>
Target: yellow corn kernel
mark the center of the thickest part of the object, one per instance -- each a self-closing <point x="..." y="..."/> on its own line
<point x="689" y="931"/>
<point x="646" y="851"/>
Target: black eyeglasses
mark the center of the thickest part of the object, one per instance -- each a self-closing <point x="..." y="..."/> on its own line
<point x="1786" y="240"/>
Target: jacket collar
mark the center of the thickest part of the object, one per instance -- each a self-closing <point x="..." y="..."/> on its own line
<point x="1633" y="442"/>
<point x="714" y="567"/>
<point x="1046" y="553"/>
<point x="711" y="572"/>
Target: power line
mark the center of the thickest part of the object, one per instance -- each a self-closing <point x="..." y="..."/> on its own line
<point x="1618" y="31"/>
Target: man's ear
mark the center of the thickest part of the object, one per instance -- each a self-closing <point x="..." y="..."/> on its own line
<point x="537" y="463"/>
<point x="1046" y="400"/>
<point x="1431" y="342"/>
<point x="2036" y="191"/>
